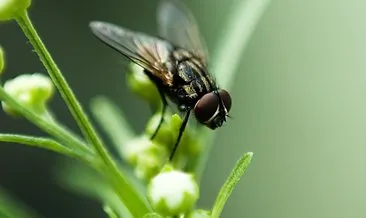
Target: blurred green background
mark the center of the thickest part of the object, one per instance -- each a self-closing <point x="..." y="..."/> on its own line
<point x="299" y="103"/>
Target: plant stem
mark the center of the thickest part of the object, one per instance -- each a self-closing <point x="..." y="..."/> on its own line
<point x="66" y="92"/>
<point x="39" y="142"/>
<point x="228" y="54"/>
<point x="49" y="144"/>
<point x="230" y="184"/>
<point x="136" y="205"/>
<point x="46" y="125"/>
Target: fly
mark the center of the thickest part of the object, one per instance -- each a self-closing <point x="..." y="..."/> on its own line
<point x="176" y="63"/>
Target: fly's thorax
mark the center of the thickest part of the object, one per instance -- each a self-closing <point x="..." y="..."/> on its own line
<point x="191" y="80"/>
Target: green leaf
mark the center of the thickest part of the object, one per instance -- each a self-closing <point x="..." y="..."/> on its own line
<point x="230" y="183"/>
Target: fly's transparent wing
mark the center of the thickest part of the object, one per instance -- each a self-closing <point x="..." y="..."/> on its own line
<point x="149" y="52"/>
<point x="177" y="24"/>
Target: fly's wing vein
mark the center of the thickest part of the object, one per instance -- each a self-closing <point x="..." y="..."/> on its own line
<point x="149" y="52"/>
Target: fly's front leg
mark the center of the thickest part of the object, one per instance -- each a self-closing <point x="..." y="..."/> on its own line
<point x="180" y="134"/>
<point x="163" y="110"/>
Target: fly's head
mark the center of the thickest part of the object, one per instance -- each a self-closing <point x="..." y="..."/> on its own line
<point x="213" y="108"/>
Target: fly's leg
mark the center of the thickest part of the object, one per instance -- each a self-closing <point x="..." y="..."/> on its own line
<point x="181" y="130"/>
<point x="163" y="110"/>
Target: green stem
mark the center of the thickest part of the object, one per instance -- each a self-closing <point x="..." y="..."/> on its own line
<point x="39" y="142"/>
<point x="136" y="205"/>
<point x="47" y="125"/>
<point x="228" y="55"/>
<point x="230" y="184"/>
<point x="60" y="82"/>
<point x="44" y="143"/>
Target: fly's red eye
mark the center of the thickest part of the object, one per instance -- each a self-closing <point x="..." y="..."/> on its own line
<point x="206" y="107"/>
<point x="226" y="99"/>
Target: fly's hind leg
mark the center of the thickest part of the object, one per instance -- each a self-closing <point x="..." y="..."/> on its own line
<point x="163" y="110"/>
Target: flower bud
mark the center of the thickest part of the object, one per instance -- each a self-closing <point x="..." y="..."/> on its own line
<point x="134" y="147"/>
<point x="165" y="136"/>
<point x="140" y="84"/>
<point x="173" y="192"/>
<point x="189" y="143"/>
<point x="30" y="90"/>
<point x="10" y="9"/>
<point x="2" y="60"/>
<point x="150" y="162"/>
<point x="148" y="157"/>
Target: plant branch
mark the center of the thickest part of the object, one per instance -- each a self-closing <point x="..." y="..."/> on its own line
<point x="137" y="206"/>
<point x="46" y="125"/>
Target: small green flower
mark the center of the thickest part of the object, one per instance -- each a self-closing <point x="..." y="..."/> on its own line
<point x="31" y="90"/>
<point x="140" y="84"/>
<point x="10" y="9"/>
<point x="2" y="60"/>
<point x="173" y="192"/>
<point x="199" y="214"/>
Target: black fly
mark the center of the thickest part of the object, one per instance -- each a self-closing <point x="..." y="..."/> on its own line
<point x="176" y="63"/>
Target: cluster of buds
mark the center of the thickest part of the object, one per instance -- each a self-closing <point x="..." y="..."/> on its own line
<point x="146" y="154"/>
<point x="171" y="192"/>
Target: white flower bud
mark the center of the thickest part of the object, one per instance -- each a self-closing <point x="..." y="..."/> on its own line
<point x="31" y="90"/>
<point x="172" y="193"/>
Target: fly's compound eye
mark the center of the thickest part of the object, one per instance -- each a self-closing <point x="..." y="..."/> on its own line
<point x="207" y="108"/>
<point x="226" y="99"/>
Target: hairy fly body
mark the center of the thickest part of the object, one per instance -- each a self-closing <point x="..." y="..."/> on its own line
<point x="176" y="63"/>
